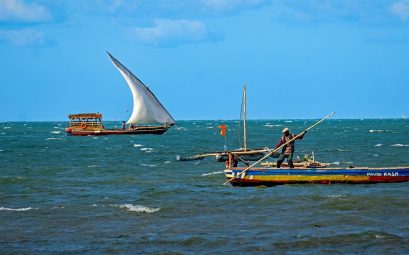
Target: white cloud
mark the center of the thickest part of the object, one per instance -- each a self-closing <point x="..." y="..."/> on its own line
<point x="22" y="37"/>
<point x="400" y="9"/>
<point x="16" y="10"/>
<point x="228" y="5"/>
<point x="172" y="32"/>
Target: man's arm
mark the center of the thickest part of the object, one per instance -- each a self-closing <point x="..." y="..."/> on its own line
<point x="301" y="136"/>
<point x="279" y="143"/>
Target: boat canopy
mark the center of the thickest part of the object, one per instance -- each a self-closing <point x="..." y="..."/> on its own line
<point x="146" y="109"/>
<point x="85" y="116"/>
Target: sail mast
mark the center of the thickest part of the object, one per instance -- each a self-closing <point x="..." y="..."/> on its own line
<point x="244" y="118"/>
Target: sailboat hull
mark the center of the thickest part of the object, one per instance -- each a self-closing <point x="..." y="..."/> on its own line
<point x="140" y="130"/>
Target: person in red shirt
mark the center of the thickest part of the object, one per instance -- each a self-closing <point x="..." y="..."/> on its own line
<point x="288" y="150"/>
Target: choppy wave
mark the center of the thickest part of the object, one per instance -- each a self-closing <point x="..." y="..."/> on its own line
<point x="336" y="163"/>
<point x="53" y="138"/>
<point x="212" y="173"/>
<point x="16" y="209"/>
<point x="271" y="125"/>
<point x="138" y="208"/>
<point x="342" y="150"/>
<point x="146" y="149"/>
<point x="400" y="145"/>
<point x="378" y="145"/>
<point x="376" y="131"/>
<point x="137" y="145"/>
<point x="55" y="132"/>
<point x="149" y="165"/>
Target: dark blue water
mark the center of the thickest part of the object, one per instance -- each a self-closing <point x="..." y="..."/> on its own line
<point x="128" y="194"/>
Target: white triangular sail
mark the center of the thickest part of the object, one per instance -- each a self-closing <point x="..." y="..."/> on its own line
<point x="146" y="107"/>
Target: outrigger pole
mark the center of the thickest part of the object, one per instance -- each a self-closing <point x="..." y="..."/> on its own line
<point x="276" y="149"/>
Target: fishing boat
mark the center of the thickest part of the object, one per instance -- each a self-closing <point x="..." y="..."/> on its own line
<point x="270" y="176"/>
<point x="267" y="175"/>
<point x="149" y="116"/>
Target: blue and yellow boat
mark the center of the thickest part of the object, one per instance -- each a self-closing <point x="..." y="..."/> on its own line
<point x="268" y="176"/>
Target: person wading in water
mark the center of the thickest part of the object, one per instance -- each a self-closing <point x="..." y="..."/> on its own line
<point x="288" y="150"/>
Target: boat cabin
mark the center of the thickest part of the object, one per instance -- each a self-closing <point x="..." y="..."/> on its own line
<point x="86" y="120"/>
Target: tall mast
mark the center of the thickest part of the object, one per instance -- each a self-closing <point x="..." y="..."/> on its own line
<point x="244" y="118"/>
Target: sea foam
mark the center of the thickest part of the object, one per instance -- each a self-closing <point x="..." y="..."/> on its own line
<point x="400" y="145"/>
<point x="16" y="209"/>
<point x="212" y="173"/>
<point x="138" y="208"/>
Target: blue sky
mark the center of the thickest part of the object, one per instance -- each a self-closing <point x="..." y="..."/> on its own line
<point x="299" y="58"/>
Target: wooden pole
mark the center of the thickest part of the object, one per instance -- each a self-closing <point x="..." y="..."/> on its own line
<point x="244" y="117"/>
<point x="276" y="149"/>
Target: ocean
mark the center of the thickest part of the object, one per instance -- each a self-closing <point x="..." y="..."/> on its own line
<point x="61" y="194"/>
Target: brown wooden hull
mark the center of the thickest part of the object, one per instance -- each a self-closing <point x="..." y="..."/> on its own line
<point x="140" y="130"/>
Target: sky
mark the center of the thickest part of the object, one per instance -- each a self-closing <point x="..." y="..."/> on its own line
<point x="298" y="58"/>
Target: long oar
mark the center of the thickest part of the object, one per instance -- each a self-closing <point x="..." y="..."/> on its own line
<point x="276" y="149"/>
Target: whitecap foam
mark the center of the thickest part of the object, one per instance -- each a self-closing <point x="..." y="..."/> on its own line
<point x="378" y="145"/>
<point x="271" y="125"/>
<point x="1" y="150"/>
<point x="148" y="165"/>
<point x="3" y="133"/>
<point x="167" y="162"/>
<point x="92" y="166"/>
<point x="335" y="163"/>
<point x="376" y="131"/>
<point x="16" y="209"/>
<point x="212" y="173"/>
<point x="137" y="145"/>
<point x="146" y="149"/>
<point x="209" y="127"/>
<point x="53" y="138"/>
<point x="138" y="208"/>
<point x="342" y="150"/>
<point x="288" y="121"/>
<point x="55" y="132"/>
<point x="6" y="127"/>
<point x="400" y="145"/>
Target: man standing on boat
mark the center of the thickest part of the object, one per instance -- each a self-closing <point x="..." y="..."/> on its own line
<point x="288" y="150"/>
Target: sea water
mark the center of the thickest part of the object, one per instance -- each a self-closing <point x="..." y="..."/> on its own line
<point x="128" y="194"/>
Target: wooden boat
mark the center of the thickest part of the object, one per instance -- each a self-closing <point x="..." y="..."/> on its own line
<point x="149" y="116"/>
<point x="270" y="176"/>
<point x="84" y="124"/>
